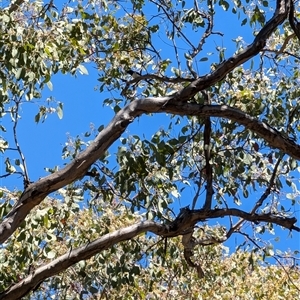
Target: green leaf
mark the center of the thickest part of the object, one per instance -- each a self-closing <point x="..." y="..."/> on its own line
<point x="51" y="254"/>
<point x="37" y="117"/>
<point x="3" y="145"/>
<point x="14" y="52"/>
<point x="59" y="110"/>
<point x="49" y="85"/>
<point x="290" y="196"/>
<point x="83" y="70"/>
<point x="265" y="3"/>
<point x="9" y="168"/>
<point x="244" y="22"/>
<point x="224" y="4"/>
<point x="20" y="74"/>
<point x="237" y="201"/>
<point x="5" y="18"/>
<point x="293" y="163"/>
<point x="245" y="193"/>
<point x="175" y="193"/>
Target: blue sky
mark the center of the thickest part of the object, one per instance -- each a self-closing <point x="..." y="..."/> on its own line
<point x="42" y="143"/>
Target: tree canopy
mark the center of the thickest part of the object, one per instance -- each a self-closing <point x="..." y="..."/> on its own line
<point x="157" y="215"/>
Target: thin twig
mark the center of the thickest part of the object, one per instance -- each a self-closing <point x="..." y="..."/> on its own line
<point x="16" y="117"/>
<point x="278" y="261"/>
<point x="270" y="186"/>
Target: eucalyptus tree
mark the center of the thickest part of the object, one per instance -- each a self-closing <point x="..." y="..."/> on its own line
<point x="224" y="163"/>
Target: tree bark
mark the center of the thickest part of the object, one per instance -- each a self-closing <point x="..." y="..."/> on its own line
<point x="184" y="223"/>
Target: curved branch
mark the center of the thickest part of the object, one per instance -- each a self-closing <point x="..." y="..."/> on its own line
<point x="275" y="138"/>
<point x="288" y="223"/>
<point x="182" y="225"/>
<point x="280" y="14"/>
<point x="37" y="191"/>
<point x="63" y="262"/>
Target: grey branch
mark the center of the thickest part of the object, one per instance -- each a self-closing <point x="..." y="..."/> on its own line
<point x="182" y="225"/>
<point x="37" y="191"/>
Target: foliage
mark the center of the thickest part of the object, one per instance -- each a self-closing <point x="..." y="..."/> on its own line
<point x="107" y="224"/>
<point x="145" y="267"/>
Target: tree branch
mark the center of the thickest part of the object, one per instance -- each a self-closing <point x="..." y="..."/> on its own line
<point x="268" y="218"/>
<point x="63" y="262"/>
<point x="293" y="20"/>
<point x="16" y="117"/>
<point x="182" y="225"/>
<point x="37" y="191"/>
<point x="275" y="138"/>
<point x="15" y="5"/>
<point x="207" y="154"/>
<point x="270" y="186"/>
<point x="280" y="14"/>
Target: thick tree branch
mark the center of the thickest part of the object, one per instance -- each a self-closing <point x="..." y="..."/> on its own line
<point x="175" y="104"/>
<point x="15" y="5"/>
<point x="293" y="20"/>
<point x="63" y="262"/>
<point x="274" y="138"/>
<point x="182" y="225"/>
<point x="37" y="191"/>
<point x="288" y="223"/>
<point x="280" y="14"/>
